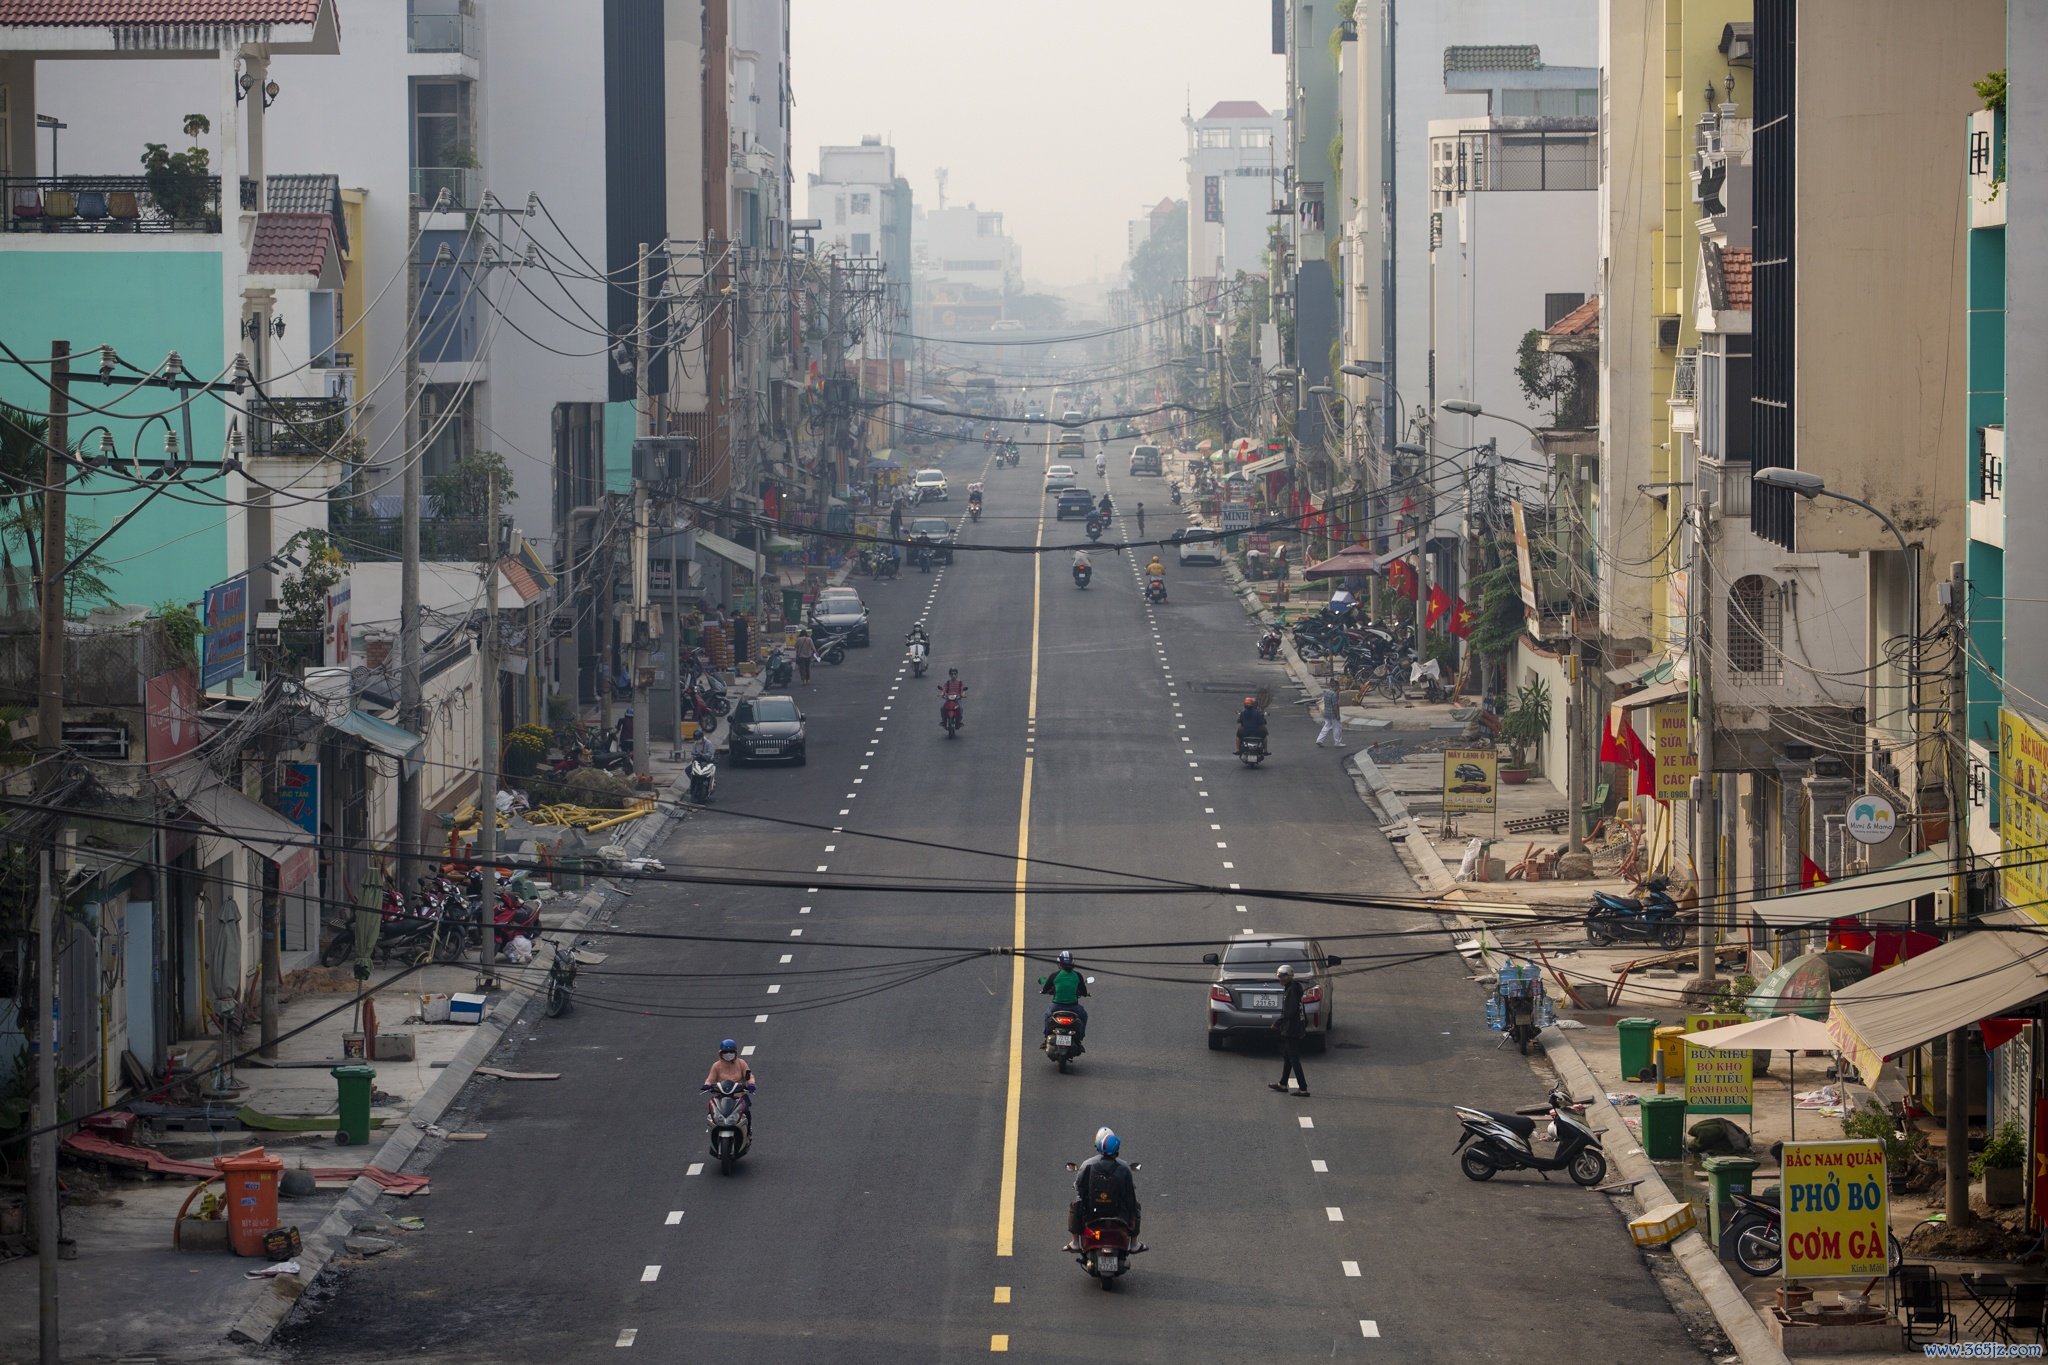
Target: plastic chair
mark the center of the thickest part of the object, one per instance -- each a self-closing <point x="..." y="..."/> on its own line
<point x="27" y="204"/>
<point x="59" y="206"/>
<point x="92" y="206"/>
<point x="124" y="208"/>
<point x="1923" y="1308"/>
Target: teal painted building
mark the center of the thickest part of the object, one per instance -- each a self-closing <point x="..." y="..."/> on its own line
<point x="145" y="296"/>
<point x="1985" y="555"/>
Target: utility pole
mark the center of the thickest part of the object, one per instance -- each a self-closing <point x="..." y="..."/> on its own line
<point x="412" y="489"/>
<point x="44" y="1151"/>
<point x="50" y="601"/>
<point x="1957" y="1201"/>
<point x="273" y="910"/>
<point x="643" y="730"/>
<point x="1706" y="822"/>
<point x="835" y="408"/>
<point x="487" y="796"/>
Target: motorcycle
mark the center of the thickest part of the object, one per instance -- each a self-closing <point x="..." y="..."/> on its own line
<point x="831" y="646"/>
<point x="1173" y="491"/>
<point x="1082" y="573"/>
<point x="920" y="655"/>
<point x="703" y="780"/>
<point x="951" y="716"/>
<point x="1490" y="1142"/>
<point x="1251" y="750"/>
<point x="779" y="668"/>
<point x="730" y="1118"/>
<point x="886" y="566"/>
<point x="1650" y="919"/>
<point x="1519" y="1007"/>
<point x="1155" y="590"/>
<point x="1106" y="1243"/>
<point x="974" y="511"/>
<point x="1269" y="644"/>
<point x="1754" y="1237"/>
<point x="1095" y="528"/>
<point x="561" y="981"/>
<point x="922" y="557"/>
<point x="510" y="916"/>
<point x="1061" y="1044"/>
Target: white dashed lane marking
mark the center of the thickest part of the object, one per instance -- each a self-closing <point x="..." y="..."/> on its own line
<point x="747" y="1051"/>
<point x="1319" y="1167"/>
<point x="675" y="1216"/>
<point x="626" y="1335"/>
<point x="650" y="1274"/>
<point x="1335" y="1214"/>
<point x="1303" y="1119"/>
<point x="1369" y="1328"/>
<point x="696" y="1168"/>
<point x="1351" y="1270"/>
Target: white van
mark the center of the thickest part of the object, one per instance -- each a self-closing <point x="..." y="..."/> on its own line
<point x="1145" y="460"/>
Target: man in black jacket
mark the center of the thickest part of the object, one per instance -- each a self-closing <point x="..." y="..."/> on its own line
<point x="1105" y="1187"/>
<point x="1292" y="1023"/>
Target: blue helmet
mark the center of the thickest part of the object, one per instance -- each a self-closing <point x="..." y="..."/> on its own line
<point x="728" y="1045"/>
<point x="1106" y="1142"/>
<point x="1066" y="958"/>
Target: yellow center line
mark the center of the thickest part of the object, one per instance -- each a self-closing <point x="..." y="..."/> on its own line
<point x="1006" y="1208"/>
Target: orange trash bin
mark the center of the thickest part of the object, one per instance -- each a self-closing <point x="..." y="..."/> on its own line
<point x="251" y="1177"/>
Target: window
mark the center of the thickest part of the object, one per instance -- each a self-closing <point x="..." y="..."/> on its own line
<point x="1556" y="306"/>
<point x="989" y="225"/>
<point x="863" y="204"/>
<point x="444" y="421"/>
<point x="1755" y="631"/>
<point x="1255" y="137"/>
<point x="440" y="124"/>
<point x="1212" y="137"/>
<point x="1550" y="103"/>
<point x="322" y="312"/>
<point x="863" y="244"/>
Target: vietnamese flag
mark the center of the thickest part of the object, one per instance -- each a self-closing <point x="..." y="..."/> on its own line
<point x="1439" y="604"/>
<point x="1811" y="873"/>
<point x="1401" y="578"/>
<point x="1461" y="619"/>
<point x="1617" y="746"/>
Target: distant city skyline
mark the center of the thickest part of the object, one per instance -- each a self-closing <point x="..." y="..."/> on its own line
<point x="1063" y="114"/>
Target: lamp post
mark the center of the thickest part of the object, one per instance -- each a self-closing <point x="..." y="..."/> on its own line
<point x="1956" y="1084"/>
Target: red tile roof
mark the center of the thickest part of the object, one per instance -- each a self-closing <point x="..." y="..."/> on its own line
<point x="1736" y="264"/>
<point x="109" y="13"/>
<point x="290" y="243"/>
<point x="1583" y="320"/>
<point x="1236" y="109"/>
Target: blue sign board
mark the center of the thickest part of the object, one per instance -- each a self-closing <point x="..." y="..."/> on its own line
<point x="298" y="795"/>
<point x="227" y="633"/>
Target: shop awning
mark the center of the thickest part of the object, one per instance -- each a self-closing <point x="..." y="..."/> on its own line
<point x="234" y="817"/>
<point x="1270" y="465"/>
<point x="1650" y="696"/>
<point x="1878" y="889"/>
<point x="1347" y="562"/>
<point x="738" y="555"/>
<point x="1648" y="672"/>
<point x="381" y="735"/>
<point x="1983" y="973"/>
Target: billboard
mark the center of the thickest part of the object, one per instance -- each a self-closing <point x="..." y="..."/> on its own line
<point x="1833" y="1198"/>
<point x="1717" y="1082"/>
<point x="1470" y="777"/>
<point x="225" y="619"/>
<point x="1677" y="764"/>
<point x="171" y="706"/>
<point x="2023" y="809"/>
<point x="298" y="795"/>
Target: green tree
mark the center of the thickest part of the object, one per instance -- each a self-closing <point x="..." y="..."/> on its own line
<point x="1160" y="263"/>
<point x="464" y="488"/>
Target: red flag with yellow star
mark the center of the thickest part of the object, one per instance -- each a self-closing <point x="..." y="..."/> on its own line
<point x="1401" y="578"/>
<point x="1461" y="619"/>
<point x="1439" y="606"/>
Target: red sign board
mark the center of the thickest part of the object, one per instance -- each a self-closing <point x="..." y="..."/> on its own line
<point x="172" y="707"/>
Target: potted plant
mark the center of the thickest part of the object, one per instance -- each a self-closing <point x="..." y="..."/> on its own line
<point x="1873" y="1120"/>
<point x="178" y="183"/>
<point x="1523" y="727"/>
<point x="2001" y="1163"/>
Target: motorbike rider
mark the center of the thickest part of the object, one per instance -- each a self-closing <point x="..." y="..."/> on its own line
<point x="703" y="748"/>
<point x="1157" y="568"/>
<point x="1081" y="562"/>
<point x="1104" y="1187"/>
<point x="1105" y="508"/>
<point x="730" y="1067"/>
<point x="919" y="636"/>
<point x="953" y="690"/>
<point x="1250" y="721"/>
<point x="1101" y="464"/>
<point x="1066" y="987"/>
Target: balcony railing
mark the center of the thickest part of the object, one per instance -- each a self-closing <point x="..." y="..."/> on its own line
<point x="107" y="203"/>
<point x="445" y="33"/>
<point x="1685" y="375"/>
<point x="464" y="184"/>
<point x="298" y="428"/>
<point x="1730" y="483"/>
<point x="376" y="540"/>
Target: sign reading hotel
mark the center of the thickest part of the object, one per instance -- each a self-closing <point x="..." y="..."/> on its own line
<point x="1717" y="1082"/>
<point x="2023" y="809"/>
<point x="1833" y="1197"/>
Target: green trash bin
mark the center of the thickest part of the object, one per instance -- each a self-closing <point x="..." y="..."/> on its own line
<point x="793" y="604"/>
<point x="1637" y="1038"/>
<point x="1726" y="1176"/>
<point x="1664" y="1126"/>
<point x="353" y="1083"/>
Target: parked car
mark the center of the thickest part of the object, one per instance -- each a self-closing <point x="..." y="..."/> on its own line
<point x="1145" y="460"/>
<point x="1126" y="431"/>
<point x="767" y="727"/>
<point x="1073" y="502"/>
<point x="937" y="530"/>
<point x="930" y="485"/>
<point x="1244" y="1000"/>
<point x="1059" y="476"/>
<point x="841" y="610"/>
<point x="1198" y="545"/>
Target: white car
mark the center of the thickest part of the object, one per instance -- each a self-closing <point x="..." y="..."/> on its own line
<point x="1059" y="476"/>
<point x="1199" y="545"/>
<point x="1071" y="418"/>
<point x="930" y="485"/>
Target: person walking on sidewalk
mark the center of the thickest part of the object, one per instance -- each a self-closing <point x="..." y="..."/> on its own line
<point x="1333" y="715"/>
<point x="1292" y="1024"/>
<point x="806" y="650"/>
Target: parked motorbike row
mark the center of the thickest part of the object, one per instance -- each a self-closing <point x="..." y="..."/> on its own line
<point x="438" y="923"/>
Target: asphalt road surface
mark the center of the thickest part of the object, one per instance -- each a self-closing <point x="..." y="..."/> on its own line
<point x="905" y="1199"/>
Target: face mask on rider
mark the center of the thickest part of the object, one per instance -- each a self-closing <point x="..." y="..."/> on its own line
<point x="728" y="1056"/>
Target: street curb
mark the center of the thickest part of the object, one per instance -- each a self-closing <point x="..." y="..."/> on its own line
<point x="1746" y="1331"/>
<point x="275" y="1298"/>
<point x="1434" y="876"/>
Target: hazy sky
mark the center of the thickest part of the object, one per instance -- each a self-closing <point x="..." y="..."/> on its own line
<point x="1063" y="114"/>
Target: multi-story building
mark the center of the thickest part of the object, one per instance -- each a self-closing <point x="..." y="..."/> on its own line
<point x="866" y="211"/>
<point x="965" y="268"/>
<point x="1314" y="154"/>
<point x="1236" y="174"/>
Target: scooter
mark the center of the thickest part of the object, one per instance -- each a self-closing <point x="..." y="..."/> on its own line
<point x="951" y="715"/>
<point x="920" y="656"/>
<point x="922" y="557"/>
<point x="730" y="1119"/>
<point x="1106" y="1243"/>
<point x="1269" y="643"/>
<point x="1082" y="573"/>
<point x="703" y="780"/>
<point x="1155" y="590"/>
<point x="1754" y="1237"/>
<point x="1490" y="1142"/>
<point x="1251" y="750"/>
<point x="1173" y="491"/>
<point x="1062" y="1038"/>
<point x="780" y="669"/>
<point x="561" y="981"/>
<point x="1652" y="919"/>
<point x="974" y="511"/>
<point x="1095" y="528"/>
<point x="831" y="647"/>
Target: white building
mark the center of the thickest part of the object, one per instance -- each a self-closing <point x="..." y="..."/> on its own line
<point x="865" y="211"/>
<point x="1236" y="167"/>
<point x="964" y="267"/>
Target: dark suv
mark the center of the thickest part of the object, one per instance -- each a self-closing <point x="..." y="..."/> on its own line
<point x="840" y="611"/>
<point x="1074" y="502"/>
<point x="939" y="532"/>
<point x="770" y="727"/>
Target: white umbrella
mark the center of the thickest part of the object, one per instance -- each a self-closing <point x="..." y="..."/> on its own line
<point x="1791" y="1033"/>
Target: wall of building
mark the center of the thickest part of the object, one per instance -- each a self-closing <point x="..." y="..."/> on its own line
<point x="2026" y="342"/>
<point x="1250" y="181"/>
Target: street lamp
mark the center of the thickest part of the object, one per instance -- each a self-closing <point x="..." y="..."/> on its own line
<point x="1810" y="485"/>
<point x="1463" y="407"/>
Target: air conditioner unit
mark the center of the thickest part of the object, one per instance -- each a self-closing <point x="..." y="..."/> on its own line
<point x="663" y="459"/>
<point x="1667" y="330"/>
<point x="107" y="742"/>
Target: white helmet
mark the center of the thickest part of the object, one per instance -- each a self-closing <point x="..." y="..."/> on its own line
<point x="1284" y="972"/>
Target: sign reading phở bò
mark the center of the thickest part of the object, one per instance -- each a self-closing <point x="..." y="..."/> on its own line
<point x="1832" y="1195"/>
